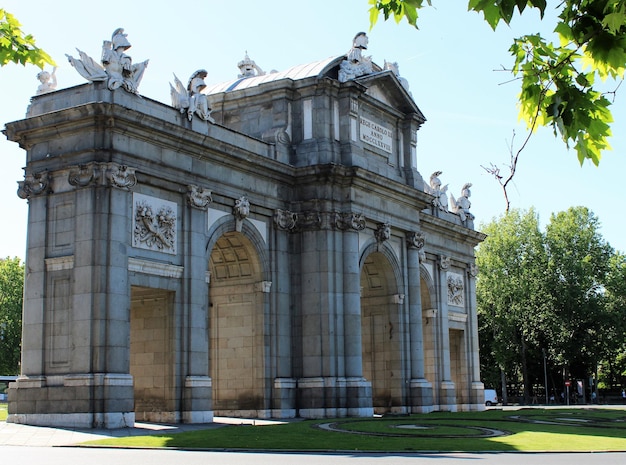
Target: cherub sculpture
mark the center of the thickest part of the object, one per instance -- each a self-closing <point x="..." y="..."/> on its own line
<point x="463" y="204"/>
<point x="48" y="82"/>
<point x="356" y="64"/>
<point x="441" y="197"/>
<point x="190" y="99"/>
<point x="117" y="67"/>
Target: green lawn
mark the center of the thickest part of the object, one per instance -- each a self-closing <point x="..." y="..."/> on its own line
<point x="521" y="430"/>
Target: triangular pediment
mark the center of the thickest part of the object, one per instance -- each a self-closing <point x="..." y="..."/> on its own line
<point x="385" y="87"/>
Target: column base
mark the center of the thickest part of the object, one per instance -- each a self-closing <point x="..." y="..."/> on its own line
<point x="447" y="396"/>
<point x="284" y="398"/>
<point x="198" y="400"/>
<point x="329" y="397"/>
<point x="71" y="401"/>
<point x="477" y="396"/>
<point x="421" y="394"/>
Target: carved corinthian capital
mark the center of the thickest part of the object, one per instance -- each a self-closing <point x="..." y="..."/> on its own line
<point x="82" y="175"/>
<point x="350" y="220"/>
<point x="309" y="220"/>
<point x="33" y="184"/>
<point x="415" y="240"/>
<point x="121" y="176"/>
<point x="285" y="220"/>
<point x="472" y="270"/>
<point x="199" y="197"/>
<point x="444" y="262"/>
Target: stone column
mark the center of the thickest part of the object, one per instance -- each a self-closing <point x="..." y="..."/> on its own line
<point x="30" y="385"/>
<point x="358" y="390"/>
<point x="317" y="387"/>
<point x="447" y="394"/>
<point x="421" y="391"/>
<point x="477" y="387"/>
<point x="197" y="389"/>
<point x="284" y="387"/>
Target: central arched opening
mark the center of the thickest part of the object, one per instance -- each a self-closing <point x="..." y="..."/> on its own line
<point x="381" y="333"/>
<point x="236" y="322"/>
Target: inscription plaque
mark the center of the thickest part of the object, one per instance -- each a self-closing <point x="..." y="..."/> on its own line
<point x="377" y="135"/>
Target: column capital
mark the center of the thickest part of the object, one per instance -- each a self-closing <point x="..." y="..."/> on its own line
<point x="415" y="240"/>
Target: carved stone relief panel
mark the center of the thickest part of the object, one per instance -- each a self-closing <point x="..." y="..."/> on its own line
<point x="456" y="288"/>
<point x="154" y="224"/>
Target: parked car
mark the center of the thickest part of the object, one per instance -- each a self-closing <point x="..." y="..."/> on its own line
<point x="491" y="397"/>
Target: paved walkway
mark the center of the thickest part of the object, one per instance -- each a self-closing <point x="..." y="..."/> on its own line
<point x="12" y="434"/>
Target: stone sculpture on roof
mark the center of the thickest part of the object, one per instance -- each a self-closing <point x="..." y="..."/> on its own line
<point x="441" y="198"/>
<point x="190" y="99"/>
<point x="356" y="64"/>
<point x="249" y="68"/>
<point x="117" y="68"/>
<point x="462" y="206"/>
<point x="393" y="66"/>
<point x="48" y="81"/>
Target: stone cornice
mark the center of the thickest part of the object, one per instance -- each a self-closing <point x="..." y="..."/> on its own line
<point x="454" y="231"/>
<point x="139" y="265"/>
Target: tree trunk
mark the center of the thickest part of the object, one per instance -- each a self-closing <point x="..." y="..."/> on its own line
<point x="505" y="397"/>
<point x="525" y="374"/>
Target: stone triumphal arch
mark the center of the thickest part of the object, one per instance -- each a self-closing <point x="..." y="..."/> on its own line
<point x="263" y="247"/>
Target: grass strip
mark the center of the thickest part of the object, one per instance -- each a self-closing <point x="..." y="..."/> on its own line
<point x="526" y="430"/>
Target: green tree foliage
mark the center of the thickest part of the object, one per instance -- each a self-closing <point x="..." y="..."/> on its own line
<point x="558" y="80"/>
<point x="11" y="290"/>
<point x="514" y="302"/>
<point x="577" y="272"/>
<point x="563" y="291"/>
<point x="16" y="47"/>
<point x="613" y="336"/>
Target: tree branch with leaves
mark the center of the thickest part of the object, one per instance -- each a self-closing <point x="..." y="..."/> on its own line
<point x="560" y="82"/>
<point x="17" y="47"/>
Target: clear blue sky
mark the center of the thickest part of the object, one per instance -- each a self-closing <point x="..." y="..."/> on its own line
<point x="450" y="64"/>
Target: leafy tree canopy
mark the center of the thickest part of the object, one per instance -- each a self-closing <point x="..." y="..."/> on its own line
<point x="11" y="290"/>
<point x="558" y="80"/>
<point x="16" y="47"/>
<point x="562" y="291"/>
